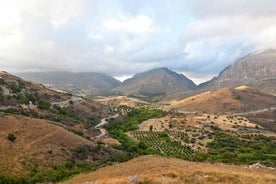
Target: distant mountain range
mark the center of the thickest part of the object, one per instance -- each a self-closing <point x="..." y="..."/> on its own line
<point x="257" y="70"/>
<point x="90" y="83"/>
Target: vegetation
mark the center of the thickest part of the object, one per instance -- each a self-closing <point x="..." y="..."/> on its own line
<point x="168" y="143"/>
<point x="63" y="112"/>
<point x="230" y="149"/>
<point x="26" y="98"/>
<point x="11" y="137"/>
<point x="54" y="174"/>
<point x="16" y="88"/>
<point x="224" y="147"/>
<point x="149" y="97"/>
<point x="134" y="118"/>
<point x="44" y="105"/>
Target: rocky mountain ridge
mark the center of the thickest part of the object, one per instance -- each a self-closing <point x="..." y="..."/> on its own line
<point x="257" y="69"/>
<point x="156" y="81"/>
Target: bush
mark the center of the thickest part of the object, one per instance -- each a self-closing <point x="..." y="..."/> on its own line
<point x="11" y="137"/>
<point x="44" y="105"/>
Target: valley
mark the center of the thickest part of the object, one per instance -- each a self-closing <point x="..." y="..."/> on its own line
<point x="216" y="134"/>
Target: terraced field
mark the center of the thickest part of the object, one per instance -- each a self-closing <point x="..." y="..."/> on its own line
<point x="169" y="143"/>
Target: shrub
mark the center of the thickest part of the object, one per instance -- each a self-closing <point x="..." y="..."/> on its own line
<point x="44" y="105"/>
<point x="11" y="137"/>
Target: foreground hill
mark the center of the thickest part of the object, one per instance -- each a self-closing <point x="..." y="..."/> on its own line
<point x="154" y="169"/>
<point x="90" y="83"/>
<point x="156" y="81"/>
<point x="226" y="100"/>
<point x="41" y="144"/>
<point x="256" y="69"/>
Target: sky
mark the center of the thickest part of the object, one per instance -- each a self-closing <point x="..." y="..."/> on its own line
<point x="198" y="38"/>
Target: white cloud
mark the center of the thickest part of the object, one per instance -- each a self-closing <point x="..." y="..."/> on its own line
<point x="138" y="25"/>
<point x="96" y="35"/>
<point x="213" y="42"/>
<point x="108" y="50"/>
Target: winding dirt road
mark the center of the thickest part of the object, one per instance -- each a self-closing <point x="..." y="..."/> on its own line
<point x="102" y="123"/>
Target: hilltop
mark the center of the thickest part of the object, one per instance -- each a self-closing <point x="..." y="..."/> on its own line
<point x="225" y="100"/>
<point x="154" y="169"/>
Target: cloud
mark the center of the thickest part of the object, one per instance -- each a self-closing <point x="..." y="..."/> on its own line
<point x="226" y="32"/>
<point x="138" y="25"/>
<point x="108" y="49"/>
<point x="121" y="38"/>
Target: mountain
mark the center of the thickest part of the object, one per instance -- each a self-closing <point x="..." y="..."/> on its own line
<point x="226" y="100"/>
<point x="89" y="83"/>
<point x="156" y="81"/>
<point x="257" y="69"/>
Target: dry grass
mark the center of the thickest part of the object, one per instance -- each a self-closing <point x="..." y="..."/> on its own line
<point x="37" y="142"/>
<point x="225" y="100"/>
<point x="154" y="169"/>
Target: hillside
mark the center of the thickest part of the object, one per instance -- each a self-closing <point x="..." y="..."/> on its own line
<point x="42" y="144"/>
<point x="266" y="119"/>
<point x="87" y="83"/>
<point x="48" y="131"/>
<point x="121" y="101"/>
<point x="155" y="82"/>
<point x="34" y="100"/>
<point x="225" y="100"/>
<point x="154" y="169"/>
<point x="257" y="69"/>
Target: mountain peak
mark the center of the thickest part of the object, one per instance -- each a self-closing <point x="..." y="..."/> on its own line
<point x="156" y="81"/>
<point x="257" y="69"/>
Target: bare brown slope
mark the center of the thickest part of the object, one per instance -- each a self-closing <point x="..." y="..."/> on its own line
<point x="240" y="99"/>
<point x="39" y="142"/>
<point x="156" y="169"/>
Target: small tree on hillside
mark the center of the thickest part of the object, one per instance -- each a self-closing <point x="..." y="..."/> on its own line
<point x="11" y="137"/>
